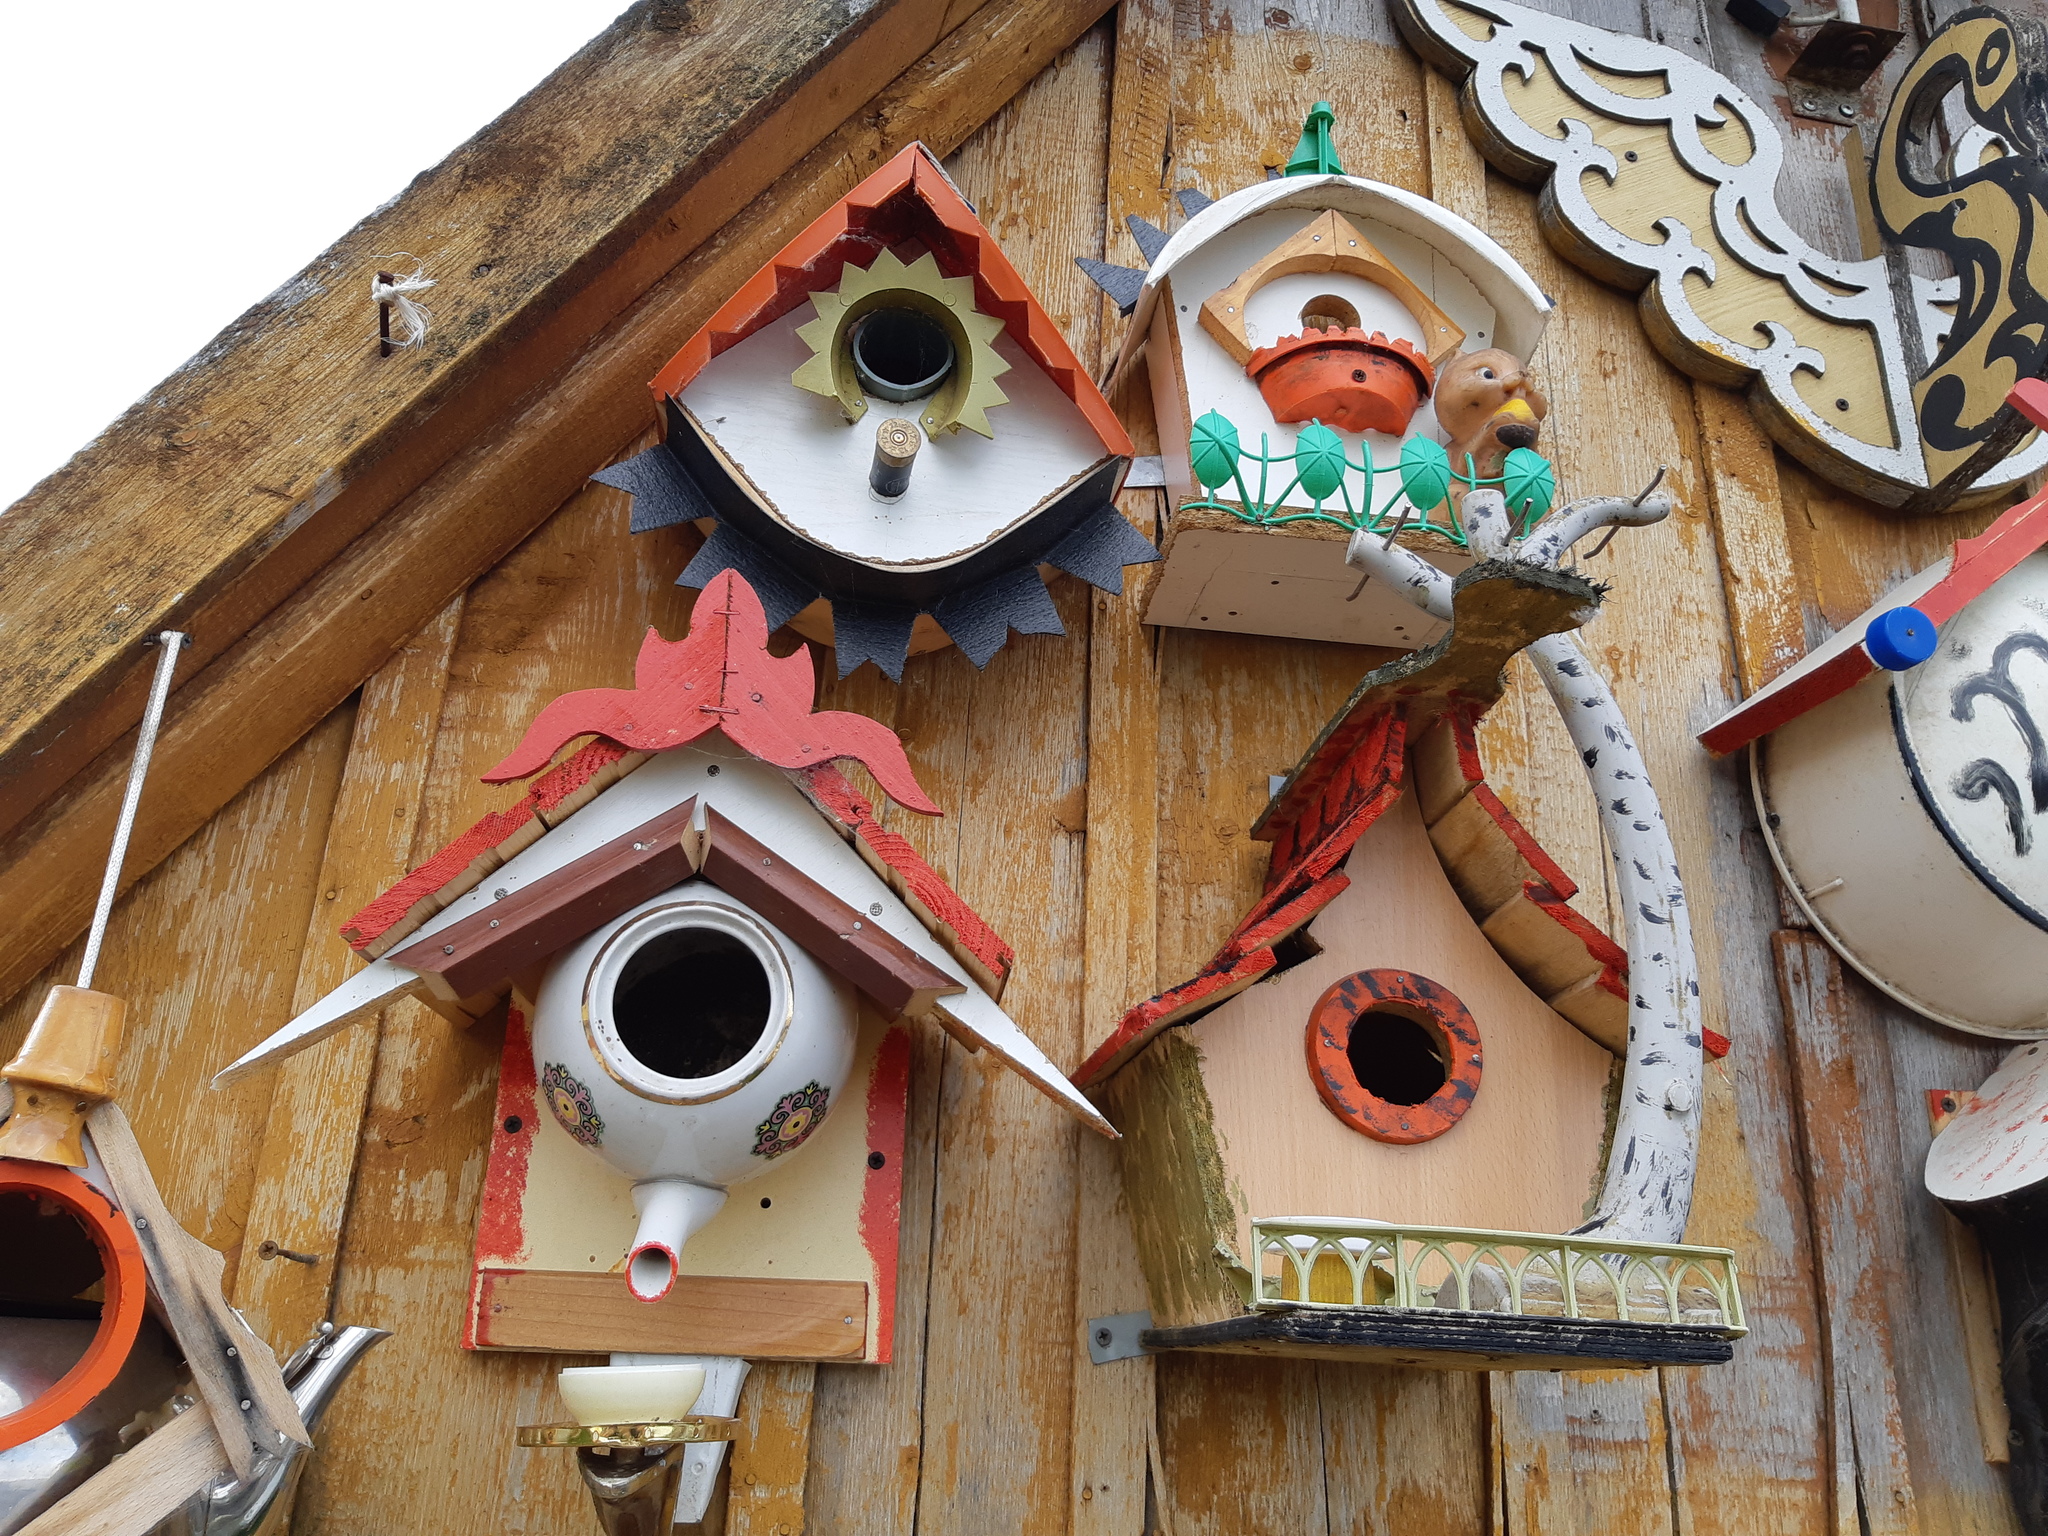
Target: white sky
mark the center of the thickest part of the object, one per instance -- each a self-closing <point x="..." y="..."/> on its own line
<point x="168" y="164"/>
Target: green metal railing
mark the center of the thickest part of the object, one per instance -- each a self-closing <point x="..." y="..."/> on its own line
<point x="1320" y="466"/>
<point x="1311" y="1261"/>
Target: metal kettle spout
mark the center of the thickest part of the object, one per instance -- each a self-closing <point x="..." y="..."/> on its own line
<point x="313" y="1374"/>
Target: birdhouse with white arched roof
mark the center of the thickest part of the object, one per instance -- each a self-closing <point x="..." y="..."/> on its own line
<point x="1329" y="357"/>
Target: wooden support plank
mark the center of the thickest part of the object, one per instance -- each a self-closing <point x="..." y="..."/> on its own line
<point x="306" y="1163"/>
<point x="1005" y="751"/>
<point x="1740" y="472"/>
<point x="885" y="968"/>
<point x="1242" y="1442"/>
<point x="1944" y="1317"/>
<point x="592" y="1312"/>
<point x="1113" y="1407"/>
<point x="1850" y="1140"/>
<point x="1113" y="1412"/>
<point x="772" y="1456"/>
<point x="286" y="672"/>
<point x="866" y="1429"/>
<point x="1404" y="1450"/>
<point x="203" y="507"/>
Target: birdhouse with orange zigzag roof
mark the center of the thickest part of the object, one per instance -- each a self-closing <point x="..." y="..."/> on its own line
<point x="885" y="432"/>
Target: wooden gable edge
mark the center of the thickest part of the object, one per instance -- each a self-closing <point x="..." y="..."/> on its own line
<point x="468" y="859"/>
<point x="999" y="289"/>
<point x="284" y="515"/>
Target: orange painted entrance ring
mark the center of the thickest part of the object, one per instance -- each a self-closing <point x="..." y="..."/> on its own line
<point x="127" y="1290"/>
<point x="1428" y="1003"/>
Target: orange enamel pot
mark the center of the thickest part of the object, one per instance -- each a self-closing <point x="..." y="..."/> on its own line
<point x="1347" y="379"/>
<point x="127" y="1290"/>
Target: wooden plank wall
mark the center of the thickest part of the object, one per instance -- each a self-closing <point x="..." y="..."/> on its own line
<point x="1098" y="790"/>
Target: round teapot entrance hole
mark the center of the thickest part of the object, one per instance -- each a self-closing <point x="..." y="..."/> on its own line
<point x="691" y="1002"/>
<point x="688" y="1002"/>
<point x="1394" y="1055"/>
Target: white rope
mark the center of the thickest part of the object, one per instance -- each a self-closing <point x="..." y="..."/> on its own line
<point x="413" y="317"/>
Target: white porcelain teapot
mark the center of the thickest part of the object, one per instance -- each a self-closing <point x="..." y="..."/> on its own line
<point x="690" y="1044"/>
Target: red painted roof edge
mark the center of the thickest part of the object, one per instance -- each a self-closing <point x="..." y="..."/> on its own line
<point x="1310" y="881"/>
<point x="913" y="168"/>
<point x="1974" y="565"/>
<point x="942" y="910"/>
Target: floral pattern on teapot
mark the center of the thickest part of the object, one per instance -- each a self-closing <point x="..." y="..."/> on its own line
<point x="795" y="1116"/>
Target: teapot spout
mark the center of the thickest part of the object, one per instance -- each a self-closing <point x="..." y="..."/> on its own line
<point x="671" y="1212"/>
<point x="315" y="1372"/>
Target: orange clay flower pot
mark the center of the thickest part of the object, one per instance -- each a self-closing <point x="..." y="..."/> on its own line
<point x="1343" y="379"/>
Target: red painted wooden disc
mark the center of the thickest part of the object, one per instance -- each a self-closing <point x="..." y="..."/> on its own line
<point x="127" y="1287"/>
<point x="1436" y="1009"/>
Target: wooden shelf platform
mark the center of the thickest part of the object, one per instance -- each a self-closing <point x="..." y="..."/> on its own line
<point x="1449" y="1340"/>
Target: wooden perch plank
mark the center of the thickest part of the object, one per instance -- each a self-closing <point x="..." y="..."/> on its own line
<point x="143" y="1487"/>
<point x="845" y="940"/>
<point x="287" y="673"/>
<point x="534" y="922"/>
<point x="591" y="1312"/>
<point x="203" y="506"/>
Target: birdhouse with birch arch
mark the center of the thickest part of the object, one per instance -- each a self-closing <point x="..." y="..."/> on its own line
<point x="885" y="432"/>
<point x="1328" y="356"/>
<point x="1419" y="1108"/>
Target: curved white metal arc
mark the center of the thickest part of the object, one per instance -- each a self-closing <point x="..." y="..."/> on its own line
<point x="1646" y="1191"/>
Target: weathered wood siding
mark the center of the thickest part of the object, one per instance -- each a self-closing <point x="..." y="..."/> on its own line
<point x="1098" y="791"/>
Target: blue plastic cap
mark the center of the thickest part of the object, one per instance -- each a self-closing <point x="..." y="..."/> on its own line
<point x="1900" y="638"/>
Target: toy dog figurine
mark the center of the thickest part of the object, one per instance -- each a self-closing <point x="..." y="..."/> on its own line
<point x="1490" y="406"/>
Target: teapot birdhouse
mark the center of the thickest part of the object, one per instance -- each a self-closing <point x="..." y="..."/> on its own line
<point x="711" y="953"/>
<point x="1328" y="356"/>
<point x="886" y="434"/>
<point x="1901" y="778"/>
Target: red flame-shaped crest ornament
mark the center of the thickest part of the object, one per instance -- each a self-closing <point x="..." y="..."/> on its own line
<point x="720" y="676"/>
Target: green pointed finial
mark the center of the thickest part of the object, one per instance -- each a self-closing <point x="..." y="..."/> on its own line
<point x="1315" y="155"/>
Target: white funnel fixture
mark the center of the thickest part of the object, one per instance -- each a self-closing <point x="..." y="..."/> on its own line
<point x="670" y="1211"/>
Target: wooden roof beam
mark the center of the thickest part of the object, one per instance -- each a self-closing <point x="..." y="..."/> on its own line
<point x="234" y="481"/>
<point x="232" y="719"/>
